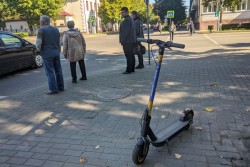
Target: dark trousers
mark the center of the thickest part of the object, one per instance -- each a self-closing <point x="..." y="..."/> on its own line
<point x="171" y="36"/>
<point x="190" y="31"/>
<point x="82" y="68"/>
<point x="128" y="51"/>
<point x="140" y="56"/>
<point x="53" y="71"/>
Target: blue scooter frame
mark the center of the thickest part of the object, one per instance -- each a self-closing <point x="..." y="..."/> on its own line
<point x="147" y="135"/>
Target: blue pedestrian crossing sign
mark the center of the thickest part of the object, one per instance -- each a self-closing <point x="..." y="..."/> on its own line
<point x="170" y="14"/>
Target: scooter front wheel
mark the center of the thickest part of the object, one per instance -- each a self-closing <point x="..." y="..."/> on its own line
<point x="140" y="152"/>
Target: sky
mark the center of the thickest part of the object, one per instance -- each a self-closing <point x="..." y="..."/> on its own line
<point x="186" y="2"/>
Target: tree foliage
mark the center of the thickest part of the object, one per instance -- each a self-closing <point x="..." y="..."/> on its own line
<point x="6" y="11"/>
<point x="31" y="10"/>
<point x="110" y="10"/>
<point x="162" y="6"/>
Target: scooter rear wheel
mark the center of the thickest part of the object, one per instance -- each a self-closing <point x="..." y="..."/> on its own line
<point x="140" y="153"/>
<point x="189" y="117"/>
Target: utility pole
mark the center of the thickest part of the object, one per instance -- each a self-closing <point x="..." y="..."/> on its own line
<point x="148" y="31"/>
<point x="217" y="15"/>
<point x="221" y="11"/>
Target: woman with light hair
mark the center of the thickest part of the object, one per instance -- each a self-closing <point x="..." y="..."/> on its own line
<point x="74" y="49"/>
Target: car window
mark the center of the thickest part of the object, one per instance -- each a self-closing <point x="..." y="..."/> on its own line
<point x="10" y="41"/>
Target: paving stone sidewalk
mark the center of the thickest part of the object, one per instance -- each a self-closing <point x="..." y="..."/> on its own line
<point x="98" y="119"/>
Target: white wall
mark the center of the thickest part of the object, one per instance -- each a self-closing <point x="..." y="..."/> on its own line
<point x="17" y="26"/>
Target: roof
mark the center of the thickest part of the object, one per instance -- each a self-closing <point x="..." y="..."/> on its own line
<point x="63" y="13"/>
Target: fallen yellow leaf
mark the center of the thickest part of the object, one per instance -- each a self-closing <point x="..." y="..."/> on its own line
<point x="83" y="160"/>
<point x="177" y="156"/>
<point x="209" y="109"/>
<point x="97" y="147"/>
<point x="198" y="128"/>
<point x="163" y="116"/>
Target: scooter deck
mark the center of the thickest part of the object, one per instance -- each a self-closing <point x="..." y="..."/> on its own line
<point x="167" y="134"/>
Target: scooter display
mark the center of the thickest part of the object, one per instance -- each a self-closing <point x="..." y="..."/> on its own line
<point x="148" y="137"/>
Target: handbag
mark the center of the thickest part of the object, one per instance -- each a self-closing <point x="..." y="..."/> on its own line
<point x="143" y="49"/>
<point x="139" y="49"/>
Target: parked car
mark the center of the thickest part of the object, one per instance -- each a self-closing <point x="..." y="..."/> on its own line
<point x="17" y="53"/>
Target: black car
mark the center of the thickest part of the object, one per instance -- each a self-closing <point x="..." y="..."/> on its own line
<point x="17" y="53"/>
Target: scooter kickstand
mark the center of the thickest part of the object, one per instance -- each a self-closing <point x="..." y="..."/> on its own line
<point x="169" y="151"/>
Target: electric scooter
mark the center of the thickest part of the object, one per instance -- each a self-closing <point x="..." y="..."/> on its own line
<point x="147" y="135"/>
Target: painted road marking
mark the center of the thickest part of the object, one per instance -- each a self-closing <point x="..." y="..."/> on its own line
<point x="216" y="43"/>
<point x="101" y="59"/>
<point x="2" y="97"/>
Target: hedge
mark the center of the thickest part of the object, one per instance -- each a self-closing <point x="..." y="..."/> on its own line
<point x="235" y="26"/>
<point x="22" y="34"/>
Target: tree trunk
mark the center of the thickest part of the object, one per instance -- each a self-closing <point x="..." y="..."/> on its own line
<point x="221" y="12"/>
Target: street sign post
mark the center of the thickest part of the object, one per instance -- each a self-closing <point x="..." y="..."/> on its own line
<point x="217" y="13"/>
<point x="170" y="14"/>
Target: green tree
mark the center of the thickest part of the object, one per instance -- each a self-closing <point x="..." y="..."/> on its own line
<point x="110" y="10"/>
<point x="6" y="12"/>
<point x="31" y="10"/>
<point x="161" y="7"/>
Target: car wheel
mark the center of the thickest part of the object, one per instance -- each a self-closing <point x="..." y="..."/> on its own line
<point x="38" y="60"/>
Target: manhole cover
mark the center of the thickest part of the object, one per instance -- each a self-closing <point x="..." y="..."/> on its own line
<point x="113" y="93"/>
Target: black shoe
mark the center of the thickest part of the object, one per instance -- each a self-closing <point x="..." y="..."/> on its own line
<point x="74" y="81"/>
<point x="51" y="93"/>
<point x="83" y="78"/>
<point x="126" y="72"/>
<point x="61" y="90"/>
<point x="139" y="67"/>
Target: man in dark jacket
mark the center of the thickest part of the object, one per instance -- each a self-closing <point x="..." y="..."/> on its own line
<point x="139" y="34"/>
<point x="48" y="43"/>
<point x="128" y="39"/>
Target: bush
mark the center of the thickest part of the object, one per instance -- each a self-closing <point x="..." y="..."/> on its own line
<point x="245" y="26"/>
<point x="235" y="26"/>
<point x="230" y="27"/>
<point x="22" y="34"/>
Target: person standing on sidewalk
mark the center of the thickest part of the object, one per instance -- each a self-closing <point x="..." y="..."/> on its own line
<point x="48" y="43"/>
<point x="127" y="39"/>
<point x="191" y="27"/>
<point x="172" y="30"/>
<point x="74" y="49"/>
<point x="160" y="28"/>
<point x="139" y="34"/>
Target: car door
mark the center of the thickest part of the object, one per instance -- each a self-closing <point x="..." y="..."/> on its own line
<point x="17" y="55"/>
<point x="3" y="64"/>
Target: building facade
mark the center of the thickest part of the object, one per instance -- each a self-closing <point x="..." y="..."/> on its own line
<point x="204" y="16"/>
<point x="84" y="13"/>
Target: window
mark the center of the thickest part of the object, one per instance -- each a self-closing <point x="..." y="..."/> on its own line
<point x="10" y="41"/>
<point x="242" y="5"/>
<point x="95" y="7"/>
<point x="87" y="5"/>
<point x="212" y="7"/>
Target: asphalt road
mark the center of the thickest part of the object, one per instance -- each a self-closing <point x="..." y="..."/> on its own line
<point x="105" y="53"/>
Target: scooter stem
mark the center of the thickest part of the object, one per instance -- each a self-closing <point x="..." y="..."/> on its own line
<point x="155" y="81"/>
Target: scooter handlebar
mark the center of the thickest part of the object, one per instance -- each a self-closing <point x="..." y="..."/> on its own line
<point x="176" y="45"/>
<point x="160" y="43"/>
